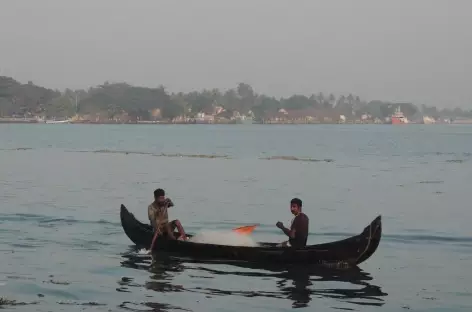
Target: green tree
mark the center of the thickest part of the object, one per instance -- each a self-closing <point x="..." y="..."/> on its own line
<point x="62" y="106"/>
<point x="247" y="96"/>
<point x="297" y="102"/>
<point x="171" y="111"/>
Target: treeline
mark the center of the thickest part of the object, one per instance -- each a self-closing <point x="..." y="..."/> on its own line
<point x="26" y="100"/>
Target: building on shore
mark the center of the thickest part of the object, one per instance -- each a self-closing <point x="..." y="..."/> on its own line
<point x="428" y="120"/>
<point x="303" y="116"/>
<point x="462" y="121"/>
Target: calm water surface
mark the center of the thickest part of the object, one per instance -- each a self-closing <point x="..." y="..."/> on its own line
<point x="62" y="247"/>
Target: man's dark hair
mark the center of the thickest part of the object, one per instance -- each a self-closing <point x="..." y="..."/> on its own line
<point x="296" y="201"/>
<point x="159" y="192"/>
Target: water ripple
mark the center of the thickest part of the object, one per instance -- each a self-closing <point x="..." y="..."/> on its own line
<point x="299" y="285"/>
<point x="44" y="220"/>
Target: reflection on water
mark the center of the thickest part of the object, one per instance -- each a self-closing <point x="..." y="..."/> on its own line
<point x="154" y="306"/>
<point x="300" y="285"/>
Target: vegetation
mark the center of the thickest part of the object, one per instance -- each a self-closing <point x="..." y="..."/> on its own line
<point x="112" y="99"/>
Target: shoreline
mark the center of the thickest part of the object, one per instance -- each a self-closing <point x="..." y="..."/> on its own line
<point x="191" y="123"/>
<point x="6" y="120"/>
<point x="216" y="123"/>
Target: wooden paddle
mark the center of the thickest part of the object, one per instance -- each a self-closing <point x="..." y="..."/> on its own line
<point x="153" y="241"/>
<point x="244" y="230"/>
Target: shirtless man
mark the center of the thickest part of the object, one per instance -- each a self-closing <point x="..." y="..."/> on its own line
<point x="159" y="218"/>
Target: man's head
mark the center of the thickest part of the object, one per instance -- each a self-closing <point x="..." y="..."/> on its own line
<point x="296" y="206"/>
<point x="159" y="196"/>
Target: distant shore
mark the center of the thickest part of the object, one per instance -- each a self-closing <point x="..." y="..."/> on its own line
<point x="162" y="122"/>
<point x="141" y="122"/>
<point x="7" y="120"/>
<point x="122" y="103"/>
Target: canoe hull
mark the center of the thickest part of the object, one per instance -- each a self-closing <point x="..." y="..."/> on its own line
<point x="343" y="253"/>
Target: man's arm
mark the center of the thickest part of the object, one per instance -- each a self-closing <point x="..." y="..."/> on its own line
<point x="169" y="202"/>
<point x="151" y="217"/>
<point x="150" y="213"/>
<point x="288" y="232"/>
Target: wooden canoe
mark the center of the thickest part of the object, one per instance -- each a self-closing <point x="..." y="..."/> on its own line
<point x="342" y="253"/>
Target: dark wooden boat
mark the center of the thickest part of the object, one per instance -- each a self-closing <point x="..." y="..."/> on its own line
<point x="343" y="253"/>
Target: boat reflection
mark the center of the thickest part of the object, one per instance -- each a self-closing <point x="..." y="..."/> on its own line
<point x="300" y="284"/>
<point x="297" y="284"/>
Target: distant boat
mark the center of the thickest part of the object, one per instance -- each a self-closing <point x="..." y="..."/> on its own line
<point x="58" y="121"/>
<point x="398" y="117"/>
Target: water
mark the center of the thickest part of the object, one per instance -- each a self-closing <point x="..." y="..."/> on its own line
<point x="62" y="247"/>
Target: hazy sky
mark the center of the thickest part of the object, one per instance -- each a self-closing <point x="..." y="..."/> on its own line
<point x="398" y="50"/>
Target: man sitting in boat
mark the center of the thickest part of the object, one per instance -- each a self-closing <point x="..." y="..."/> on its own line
<point x="298" y="233"/>
<point x="157" y="213"/>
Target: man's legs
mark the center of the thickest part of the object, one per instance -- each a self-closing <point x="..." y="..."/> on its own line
<point x="169" y="230"/>
<point x="178" y="225"/>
